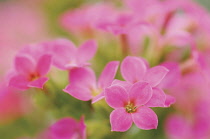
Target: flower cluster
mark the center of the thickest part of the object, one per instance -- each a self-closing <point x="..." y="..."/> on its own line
<point x="130" y="58"/>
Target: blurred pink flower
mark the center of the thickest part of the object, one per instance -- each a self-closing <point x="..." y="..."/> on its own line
<point x="131" y="106"/>
<point x="120" y="23"/>
<point x="194" y="125"/>
<point x="192" y="105"/>
<point x="13" y="104"/>
<point x="86" y="18"/>
<point x="67" y="56"/>
<point x="66" y="128"/>
<point x="29" y="73"/>
<point x="83" y="83"/>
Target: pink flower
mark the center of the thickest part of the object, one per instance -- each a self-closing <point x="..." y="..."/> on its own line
<point x="85" y="19"/>
<point x="131" y="106"/>
<point x="12" y="104"/>
<point x="66" y="128"/>
<point x="120" y="23"/>
<point x="83" y="85"/>
<point x="194" y="125"/>
<point x="67" y="56"/>
<point x="135" y="69"/>
<point x="29" y="73"/>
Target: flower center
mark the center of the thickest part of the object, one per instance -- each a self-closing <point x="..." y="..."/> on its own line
<point x="33" y="76"/>
<point x="96" y="91"/>
<point x="130" y="108"/>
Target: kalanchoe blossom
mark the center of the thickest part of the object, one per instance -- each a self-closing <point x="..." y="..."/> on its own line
<point x="135" y="69"/>
<point x="83" y="85"/>
<point x="29" y="73"/>
<point x="66" y="128"/>
<point x="67" y="56"/>
<point x="131" y="106"/>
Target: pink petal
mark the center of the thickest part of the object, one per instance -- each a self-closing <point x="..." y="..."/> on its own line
<point x="78" y="92"/>
<point x="82" y="128"/>
<point x="108" y="74"/>
<point x="83" y="77"/>
<point x="140" y="93"/>
<point x="133" y="69"/>
<point x="173" y="76"/>
<point x="116" y="96"/>
<point x="145" y="118"/>
<point x="158" y="98"/>
<point x="63" y="129"/>
<point x="43" y="65"/>
<point x="126" y="85"/>
<point x="86" y="51"/>
<point x="39" y="83"/>
<point x="24" y="65"/>
<point x="169" y="100"/>
<point x="120" y="120"/>
<point x="64" y="52"/>
<point x="19" y="82"/>
<point x="155" y="75"/>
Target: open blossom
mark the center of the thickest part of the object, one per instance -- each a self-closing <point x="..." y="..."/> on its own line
<point x="28" y="73"/>
<point x="135" y="69"/>
<point x="83" y="83"/>
<point x="66" y="128"/>
<point x="67" y="56"/>
<point x="131" y="106"/>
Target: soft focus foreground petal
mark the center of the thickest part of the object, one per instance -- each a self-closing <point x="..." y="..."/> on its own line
<point x="133" y="69"/>
<point x="126" y="85"/>
<point x="108" y="74"/>
<point x="158" y="98"/>
<point x="78" y="92"/>
<point x="83" y="77"/>
<point x="120" y="120"/>
<point x="116" y="96"/>
<point x="82" y="128"/>
<point x="43" y="65"/>
<point x="63" y="129"/>
<point x="169" y="100"/>
<point x="178" y="128"/>
<point x="19" y="82"/>
<point x="155" y="75"/>
<point x="140" y="93"/>
<point x="64" y="52"/>
<point x="39" y="83"/>
<point x="24" y="65"/>
<point x="145" y="118"/>
<point x="86" y="51"/>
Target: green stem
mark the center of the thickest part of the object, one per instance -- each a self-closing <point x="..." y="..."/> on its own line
<point x="124" y="44"/>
